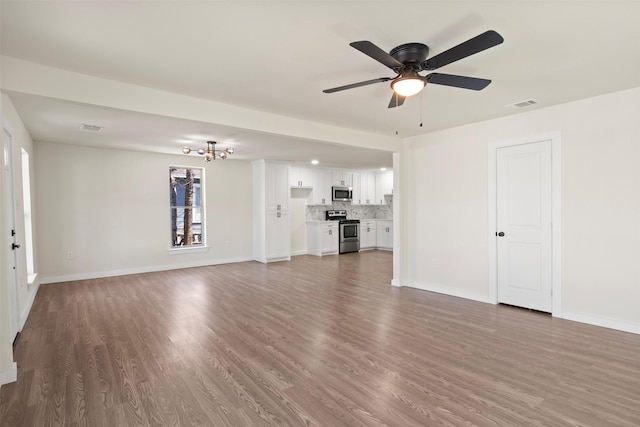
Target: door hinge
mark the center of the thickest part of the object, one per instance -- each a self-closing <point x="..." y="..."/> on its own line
<point x="13" y="233"/>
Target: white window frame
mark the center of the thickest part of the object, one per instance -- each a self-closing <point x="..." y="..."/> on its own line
<point x="28" y="217"/>
<point x="202" y="246"/>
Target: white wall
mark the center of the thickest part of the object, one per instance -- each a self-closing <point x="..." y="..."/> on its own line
<point x="110" y="209"/>
<point x="25" y="293"/>
<point x="446" y="177"/>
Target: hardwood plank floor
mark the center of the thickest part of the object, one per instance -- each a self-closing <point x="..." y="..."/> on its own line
<point x="315" y="341"/>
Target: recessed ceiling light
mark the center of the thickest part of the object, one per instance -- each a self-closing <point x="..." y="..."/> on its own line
<point x="383" y="169"/>
<point x="93" y="128"/>
<point x="314" y="162"/>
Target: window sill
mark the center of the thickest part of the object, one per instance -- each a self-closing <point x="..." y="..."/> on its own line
<point x="182" y="251"/>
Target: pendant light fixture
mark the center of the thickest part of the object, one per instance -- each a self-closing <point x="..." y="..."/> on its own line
<point x="210" y="153"/>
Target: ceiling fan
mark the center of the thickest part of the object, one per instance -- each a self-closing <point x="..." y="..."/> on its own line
<point x="408" y="60"/>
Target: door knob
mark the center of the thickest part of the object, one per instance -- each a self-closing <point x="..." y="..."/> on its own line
<point x="501" y="234"/>
<point x="14" y="246"/>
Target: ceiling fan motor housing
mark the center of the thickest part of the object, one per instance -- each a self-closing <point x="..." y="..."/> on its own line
<point x="410" y="53"/>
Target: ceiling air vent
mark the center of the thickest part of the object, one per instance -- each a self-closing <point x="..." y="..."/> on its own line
<point x="93" y="128"/>
<point x="521" y="104"/>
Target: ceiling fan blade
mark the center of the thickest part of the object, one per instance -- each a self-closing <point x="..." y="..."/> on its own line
<point x="396" y="100"/>
<point x="352" y="85"/>
<point x="477" y="44"/>
<point x="464" y="82"/>
<point x="378" y="54"/>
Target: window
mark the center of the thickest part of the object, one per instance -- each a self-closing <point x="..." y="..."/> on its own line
<point x="187" y="227"/>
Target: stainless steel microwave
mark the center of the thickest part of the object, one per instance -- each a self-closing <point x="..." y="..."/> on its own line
<point x="341" y="194"/>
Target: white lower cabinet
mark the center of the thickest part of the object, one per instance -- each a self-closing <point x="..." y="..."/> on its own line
<point x="322" y="238"/>
<point x="384" y="234"/>
<point x="367" y="234"/>
<point x="278" y="236"/>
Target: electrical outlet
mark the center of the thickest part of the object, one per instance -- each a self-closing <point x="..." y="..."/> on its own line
<point x="69" y="255"/>
<point x="435" y="262"/>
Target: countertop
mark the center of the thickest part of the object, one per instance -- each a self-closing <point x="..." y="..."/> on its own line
<point x="319" y="221"/>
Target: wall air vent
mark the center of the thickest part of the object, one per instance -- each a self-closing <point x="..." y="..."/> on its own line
<point x="93" y="128"/>
<point x="521" y="104"/>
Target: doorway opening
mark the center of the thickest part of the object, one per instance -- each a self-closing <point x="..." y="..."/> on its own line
<point x="9" y="233"/>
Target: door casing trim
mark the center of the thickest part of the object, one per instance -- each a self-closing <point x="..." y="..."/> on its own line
<point x="556" y="214"/>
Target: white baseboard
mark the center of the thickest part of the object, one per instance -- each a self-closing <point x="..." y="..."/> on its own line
<point x="10" y="375"/>
<point x="582" y="318"/>
<point x="302" y="252"/>
<point x="396" y="282"/>
<point x="138" y="270"/>
<point x="279" y="259"/>
<point x="604" y="322"/>
<point x="443" y="289"/>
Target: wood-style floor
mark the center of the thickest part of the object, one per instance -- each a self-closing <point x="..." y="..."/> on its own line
<point x="315" y="341"/>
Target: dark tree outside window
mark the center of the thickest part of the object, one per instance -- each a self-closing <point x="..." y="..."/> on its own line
<point x="186" y="206"/>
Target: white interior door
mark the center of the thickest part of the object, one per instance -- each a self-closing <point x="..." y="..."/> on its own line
<point x="9" y="233"/>
<point x="524" y="212"/>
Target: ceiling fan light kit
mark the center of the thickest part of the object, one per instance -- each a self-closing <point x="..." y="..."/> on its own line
<point x="408" y="85"/>
<point x="407" y="60"/>
<point x="210" y="153"/>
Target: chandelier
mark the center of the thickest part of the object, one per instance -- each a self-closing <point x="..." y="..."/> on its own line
<point x="210" y="153"/>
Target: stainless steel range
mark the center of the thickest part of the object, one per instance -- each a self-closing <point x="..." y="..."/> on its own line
<point x="349" y="230"/>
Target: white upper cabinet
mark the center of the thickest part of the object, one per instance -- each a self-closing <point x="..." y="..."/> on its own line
<point x="369" y="188"/>
<point x="384" y="186"/>
<point x="322" y="187"/>
<point x="364" y="189"/>
<point x="357" y="189"/>
<point x="301" y="176"/>
<point x="277" y="191"/>
<point x="342" y="177"/>
<point x="370" y="195"/>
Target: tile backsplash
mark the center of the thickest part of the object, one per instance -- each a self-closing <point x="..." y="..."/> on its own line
<point x="317" y="213"/>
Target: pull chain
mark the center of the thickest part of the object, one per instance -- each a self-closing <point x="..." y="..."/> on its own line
<point x="421" y="104"/>
<point x="395" y="97"/>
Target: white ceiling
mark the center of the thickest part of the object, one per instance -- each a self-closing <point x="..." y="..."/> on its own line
<point x="53" y="120"/>
<point x="277" y="57"/>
